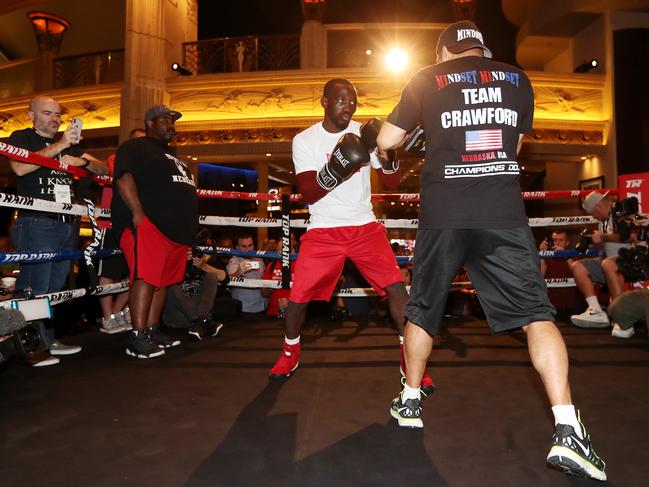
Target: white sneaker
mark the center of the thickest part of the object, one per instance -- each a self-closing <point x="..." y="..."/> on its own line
<point x="112" y="325"/>
<point x="619" y="332"/>
<point x="58" y="348"/>
<point x="591" y="319"/>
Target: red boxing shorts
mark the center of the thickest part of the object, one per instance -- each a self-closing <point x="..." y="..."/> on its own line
<point x="153" y="257"/>
<point x="322" y="256"/>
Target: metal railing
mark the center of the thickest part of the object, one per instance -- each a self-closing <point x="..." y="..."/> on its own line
<point x="240" y="54"/>
<point x="89" y="69"/>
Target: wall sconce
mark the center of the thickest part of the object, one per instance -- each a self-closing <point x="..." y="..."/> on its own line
<point x="181" y="70"/>
<point x="49" y="30"/>
<point x="587" y="66"/>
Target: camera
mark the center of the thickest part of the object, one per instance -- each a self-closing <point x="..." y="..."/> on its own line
<point x="19" y="338"/>
<point x="627" y="222"/>
<point x="633" y="263"/>
<point x="585" y="239"/>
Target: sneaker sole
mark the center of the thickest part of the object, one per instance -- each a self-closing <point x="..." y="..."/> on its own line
<point x="589" y="324"/>
<point x="569" y="462"/>
<point x="623" y="333"/>
<point x="175" y="343"/>
<point x="46" y="363"/>
<point x="157" y="353"/>
<point x="63" y="352"/>
<point x="283" y="376"/>
<point x="407" y="422"/>
<point x="113" y="331"/>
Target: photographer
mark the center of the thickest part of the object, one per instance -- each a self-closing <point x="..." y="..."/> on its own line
<point x="249" y="268"/>
<point x="190" y="304"/>
<point x="558" y="241"/>
<point x="602" y="269"/>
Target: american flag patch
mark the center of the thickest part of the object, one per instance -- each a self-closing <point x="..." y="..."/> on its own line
<point x="483" y="139"/>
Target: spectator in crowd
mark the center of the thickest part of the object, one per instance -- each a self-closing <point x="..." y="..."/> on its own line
<point x="563" y="298"/>
<point x="116" y="314"/>
<point x="40" y="231"/>
<point x="559" y="241"/>
<point x="249" y="268"/>
<point x="190" y="303"/>
<point x="155" y="204"/>
<point x="600" y="270"/>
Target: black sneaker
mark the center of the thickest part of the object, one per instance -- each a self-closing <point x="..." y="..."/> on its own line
<point x="407" y="413"/>
<point x="140" y="346"/>
<point x="574" y="455"/>
<point x="162" y="341"/>
<point x="205" y="329"/>
<point x="339" y="313"/>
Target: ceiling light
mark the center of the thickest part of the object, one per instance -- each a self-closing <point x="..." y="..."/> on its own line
<point x="396" y="60"/>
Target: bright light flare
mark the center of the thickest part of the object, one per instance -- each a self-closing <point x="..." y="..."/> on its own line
<point x="396" y="60"/>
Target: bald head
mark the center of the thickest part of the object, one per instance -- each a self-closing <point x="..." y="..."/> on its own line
<point x="45" y="114"/>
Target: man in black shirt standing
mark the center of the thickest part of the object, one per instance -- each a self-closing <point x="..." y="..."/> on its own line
<point x="154" y="214"/>
<point x="39" y="231"/>
<point x="474" y="112"/>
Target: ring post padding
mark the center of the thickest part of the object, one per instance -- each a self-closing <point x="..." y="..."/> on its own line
<point x="286" y="241"/>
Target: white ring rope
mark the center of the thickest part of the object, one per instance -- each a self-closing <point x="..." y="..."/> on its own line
<point x="24" y="202"/>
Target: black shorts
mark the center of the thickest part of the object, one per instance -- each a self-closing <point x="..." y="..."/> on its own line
<point x="503" y="266"/>
<point x="114" y="267"/>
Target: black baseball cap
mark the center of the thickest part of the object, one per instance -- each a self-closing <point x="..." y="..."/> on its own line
<point x="158" y="110"/>
<point x="462" y="36"/>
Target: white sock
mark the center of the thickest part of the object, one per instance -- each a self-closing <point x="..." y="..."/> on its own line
<point x="410" y="393"/>
<point x="567" y="414"/>
<point x="593" y="303"/>
<point x="400" y="340"/>
<point x="292" y="341"/>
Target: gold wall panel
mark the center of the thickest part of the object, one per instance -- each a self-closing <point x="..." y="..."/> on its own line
<point x="289" y="99"/>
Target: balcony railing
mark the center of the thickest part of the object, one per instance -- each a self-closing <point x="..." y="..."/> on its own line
<point x="89" y="69"/>
<point x="239" y="54"/>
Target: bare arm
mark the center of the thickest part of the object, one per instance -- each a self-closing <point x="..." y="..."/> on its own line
<point x="390" y="136"/>
<point x="128" y="191"/>
<point x="51" y="151"/>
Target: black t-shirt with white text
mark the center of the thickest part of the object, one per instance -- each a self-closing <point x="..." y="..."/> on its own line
<point x="472" y="110"/>
<point x="40" y="183"/>
<point x="165" y="187"/>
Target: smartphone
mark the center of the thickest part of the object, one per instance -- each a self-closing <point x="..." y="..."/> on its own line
<point x="254" y="264"/>
<point x="77" y="123"/>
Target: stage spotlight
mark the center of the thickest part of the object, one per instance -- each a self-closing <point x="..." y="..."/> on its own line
<point x="396" y="60"/>
<point x="182" y="71"/>
<point x="587" y="66"/>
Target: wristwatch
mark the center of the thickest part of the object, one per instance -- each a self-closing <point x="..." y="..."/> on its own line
<point x="87" y="162"/>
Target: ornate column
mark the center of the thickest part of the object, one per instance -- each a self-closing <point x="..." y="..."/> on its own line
<point x="49" y="30"/>
<point x="144" y="67"/>
<point x="313" y="40"/>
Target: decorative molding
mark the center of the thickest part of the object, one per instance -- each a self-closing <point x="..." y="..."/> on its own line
<point x="571" y="137"/>
<point x="237" y="136"/>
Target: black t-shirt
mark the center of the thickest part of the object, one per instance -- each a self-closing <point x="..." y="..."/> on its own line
<point x="40" y="183"/>
<point x="473" y="110"/>
<point x="165" y="186"/>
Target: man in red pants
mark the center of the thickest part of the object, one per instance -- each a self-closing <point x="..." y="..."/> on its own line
<point x="332" y="163"/>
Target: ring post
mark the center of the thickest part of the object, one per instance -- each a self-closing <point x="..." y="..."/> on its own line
<point x="286" y="241"/>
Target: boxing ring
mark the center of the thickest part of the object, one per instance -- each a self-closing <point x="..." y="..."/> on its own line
<point x="90" y="212"/>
